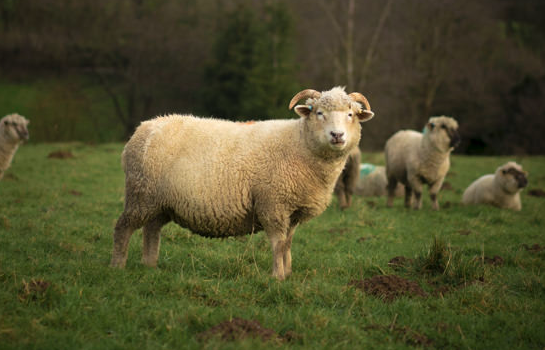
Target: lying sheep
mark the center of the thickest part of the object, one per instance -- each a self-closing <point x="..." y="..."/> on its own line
<point x="415" y="159"/>
<point x="219" y="178"/>
<point x="13" y="131"/>
<point x="348" y="180"/>
<point x="501" y="189"/>
<point x="373" y="182"/>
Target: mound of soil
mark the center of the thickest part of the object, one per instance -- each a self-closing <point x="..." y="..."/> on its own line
<point x="399" y="261"/>
<point x="239" y="328"/>
<point x="534" y="248"/>
<point x="388" y="287"/>
<point x="494" y="261"/>
<point x="405" y="334"/>
<point x="536" y="192"/>
<point x="447" y="186"/>
<point x="60" y="155"/>
<point x="33" y="290"/>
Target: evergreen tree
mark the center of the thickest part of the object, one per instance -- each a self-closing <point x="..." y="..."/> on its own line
<point x="251" y="76"/>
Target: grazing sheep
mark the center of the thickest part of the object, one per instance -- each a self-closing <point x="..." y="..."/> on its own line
<point x="348" y="180"/>
<point x="373" y="182"/>
<point x="13" y="131"/>
<point x="219" y="178"/>
<point x="501" y="189"/>
<point x="415" y="159"/>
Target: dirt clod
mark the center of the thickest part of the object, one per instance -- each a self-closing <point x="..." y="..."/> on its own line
<point x="388" y="287"/>
<point x="464" y="232"/>
<point x="399" y="262"/>
<point x="34" y="289"/>
<point x="494" y="261"/>
<point x="535" y="248"/>
<point x="536" y="192"/>
<point x="239" y="328"/>
<point x="339" y="230"/>
<point x="405" y="334"/>
<point x="75" y="193"/>
<point x="371" y="204"/>
<point x="60" y="155"/>
<point x="447" y="186"/>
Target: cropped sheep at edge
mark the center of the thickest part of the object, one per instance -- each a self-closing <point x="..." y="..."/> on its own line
<point x="220" y="178"/>
<point x="13" y="131"/>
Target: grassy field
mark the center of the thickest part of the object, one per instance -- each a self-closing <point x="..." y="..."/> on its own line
<point x="57" y="291"/>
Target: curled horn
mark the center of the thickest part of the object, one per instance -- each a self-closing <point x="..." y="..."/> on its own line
<point x="308" y="93"/>
<point x="356" y="96"/>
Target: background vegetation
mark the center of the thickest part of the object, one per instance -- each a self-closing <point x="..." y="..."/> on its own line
<point x="93" y="69"/>
<point x="57" y="291"/>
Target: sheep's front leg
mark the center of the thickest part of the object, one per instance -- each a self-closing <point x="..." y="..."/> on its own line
<point x="278" y="244"/>
<point x="417" y="190"/>
<point x="434" y="191"/>
<point x="287" y="251"/>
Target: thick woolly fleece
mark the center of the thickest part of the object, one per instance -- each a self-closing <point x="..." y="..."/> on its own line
<point x="501" y="189"/>
<point x="13" y="131"/>
<point x="415" y="159"/>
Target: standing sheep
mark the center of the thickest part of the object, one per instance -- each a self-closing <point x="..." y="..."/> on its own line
<point x="219" y="178"/>
<point x="415" y="159"/>
<point x="501" y="189"/>
<point x="13" y="131"/>
<point x="373" y="182"/>
<point x="348" y="180"/>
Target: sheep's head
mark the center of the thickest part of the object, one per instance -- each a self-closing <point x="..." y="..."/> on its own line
<point x="511" y="177"/>
<point x="443" y="133"/>
<point x="13" y="128"/>
<point x="332" y="118"/>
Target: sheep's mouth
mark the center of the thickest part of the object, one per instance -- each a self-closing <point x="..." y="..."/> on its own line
<point x="337" y="142"/>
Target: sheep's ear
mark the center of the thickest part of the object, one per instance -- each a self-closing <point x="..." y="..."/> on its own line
<point x="303" y="110"/>
<point x="365" y="115"/>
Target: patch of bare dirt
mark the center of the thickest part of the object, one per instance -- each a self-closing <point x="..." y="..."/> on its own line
<point x="33" y="290"/>
<point x="60" y="155"/>
<point x="388" y="287"/>
<point x="535" y="248"/>
<point x="75" y="193"/>
<point x="464" y="232"/>
<point x="399" y="261"/>
<point x="404" y="334"/>
<point x="536" y="192"/>
<point x="447" y="186"/>
<point x="496" y="260"/>
<point x="239" y="328"/>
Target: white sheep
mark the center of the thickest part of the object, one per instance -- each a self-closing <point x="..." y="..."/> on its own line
<point x="501" y="189"/>
<point x="373" y="182"/>
<point x="348" y="180"/>
<point x="415" y="159"/>
<point x="219" y="178"/>
<point x="13" y="131"/>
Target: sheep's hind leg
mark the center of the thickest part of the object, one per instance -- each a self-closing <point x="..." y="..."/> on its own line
<point x="152" y="239"/>
<point x="391" y="187"/>
<point x="124" y="228"/>
<point x="287" y="251"/>
<point x="408" y="196"/>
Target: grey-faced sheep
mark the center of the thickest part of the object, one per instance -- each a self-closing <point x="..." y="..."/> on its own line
<point x="373" y="182"/>
<point x="219" y="178"/>
<point x="415" y="159"/>
<point x="348" y="180"/>
<point x="501" y="189"/>
<point x="13" y="131"/>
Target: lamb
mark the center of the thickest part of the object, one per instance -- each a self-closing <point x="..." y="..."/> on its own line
<point x="219" y="178"/>
<point x="415" y="159"/>
<point x="501" y="189"/>
<point x="373" y="182"/>
<point x="13" y="131"/>
<point x="348" y="180"/>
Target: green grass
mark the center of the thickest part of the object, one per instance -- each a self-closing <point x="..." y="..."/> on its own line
<point x="56" y="222"/>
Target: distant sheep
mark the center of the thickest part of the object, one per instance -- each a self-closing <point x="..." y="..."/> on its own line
<point x="13" y="131"/>
<point x="501" y="189"/>
<point x="415" y="159"/>
<point x="219" y="178"/>
<point x="373" y="182"/>
<point x="348" y="180"/>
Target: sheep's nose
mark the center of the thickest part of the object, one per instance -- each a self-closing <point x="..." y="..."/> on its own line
<point x="337" y="135"/>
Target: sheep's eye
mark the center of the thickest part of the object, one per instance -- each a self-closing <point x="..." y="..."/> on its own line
<point x="6" y="122"/>
<point x="350" y="115"/>
<point x="432" y="125"/>
<point x="320" y="115"/>
<point x="504" y="172"/>
<point x="443" y="126"/>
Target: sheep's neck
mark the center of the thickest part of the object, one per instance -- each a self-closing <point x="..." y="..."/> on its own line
<point x="430" y="156"/>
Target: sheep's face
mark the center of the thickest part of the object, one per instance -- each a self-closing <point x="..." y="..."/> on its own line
<point x="14" y="128"/>
<point x="443" y="133"/>
<point x="511" y="177"/>
<point x="333" y="121"/>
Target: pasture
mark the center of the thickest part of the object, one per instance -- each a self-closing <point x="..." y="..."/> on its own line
<point x="478" y="272"/>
